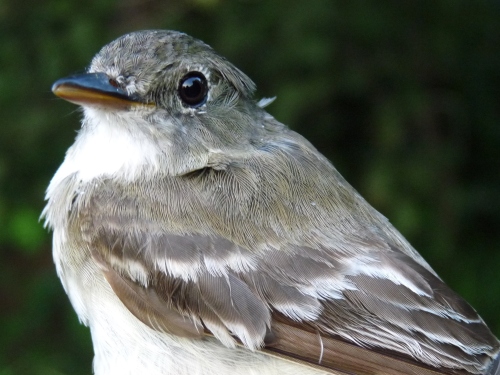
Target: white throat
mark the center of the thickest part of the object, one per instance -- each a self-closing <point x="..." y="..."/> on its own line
<point x="109" y="144"/>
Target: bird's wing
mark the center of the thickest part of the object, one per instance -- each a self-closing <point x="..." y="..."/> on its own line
<point x="317" y="305"/>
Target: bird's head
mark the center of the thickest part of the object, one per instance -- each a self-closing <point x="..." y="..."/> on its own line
<point x="175" y="91"/>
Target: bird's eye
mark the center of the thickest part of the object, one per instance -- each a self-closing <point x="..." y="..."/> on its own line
<point x="193" y="89"/>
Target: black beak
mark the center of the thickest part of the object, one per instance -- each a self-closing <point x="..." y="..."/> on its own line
<point x="94" y="90"/>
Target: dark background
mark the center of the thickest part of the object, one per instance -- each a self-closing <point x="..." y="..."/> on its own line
<point x="404" y="97"/>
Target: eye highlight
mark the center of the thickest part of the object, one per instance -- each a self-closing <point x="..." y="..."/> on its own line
<point x="193" y="89"/>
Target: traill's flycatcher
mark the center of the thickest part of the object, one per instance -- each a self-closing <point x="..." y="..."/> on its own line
<point x="195" y="234"/>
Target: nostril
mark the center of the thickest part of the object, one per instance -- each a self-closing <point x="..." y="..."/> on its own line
<point x="114" y="83"/>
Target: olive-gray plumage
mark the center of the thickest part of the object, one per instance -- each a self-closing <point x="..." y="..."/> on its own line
<point x="209" y="238"/>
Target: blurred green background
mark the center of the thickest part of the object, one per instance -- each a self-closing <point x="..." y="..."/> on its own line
<point x="404" y="97"/>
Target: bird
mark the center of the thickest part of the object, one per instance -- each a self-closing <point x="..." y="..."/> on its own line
<point x="196" y="234"/>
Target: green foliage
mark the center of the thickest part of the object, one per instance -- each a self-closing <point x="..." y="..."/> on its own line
<point x="402" y="96"/>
